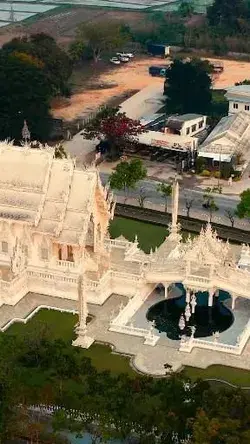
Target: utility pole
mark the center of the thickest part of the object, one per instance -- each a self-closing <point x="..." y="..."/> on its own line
<point x="12" y="14"/>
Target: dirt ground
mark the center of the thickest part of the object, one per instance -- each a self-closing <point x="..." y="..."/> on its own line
<point x="95" y="85"/>
<point x="132" y="76"/>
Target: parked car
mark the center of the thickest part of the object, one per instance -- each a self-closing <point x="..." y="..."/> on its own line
<point x="124" y="59"/>
<point x="115" y="61"/>
<point x="130" y="55"/>
<point x="158" y="71"/>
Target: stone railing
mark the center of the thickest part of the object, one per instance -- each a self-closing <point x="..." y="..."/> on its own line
<point x="126" y="276"/>
<point x="127" y="312"/>
<point x="149" y="337"/>
<point x="188" y="345"/>
<point x="66" y="264"/>
<point x="197" y="279"/>
<point x="119" y="243"/>
<point x="49" y="276"/>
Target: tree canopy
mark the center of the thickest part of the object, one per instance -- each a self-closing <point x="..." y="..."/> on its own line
<point x="228" y="14"/>
<point x="32" y="70"/>
<point x="127" y="174"/>
<point x="243" y="208"/>
<point x="101" y="37"/>
<point x="113" y="127"/>
<point x="165" y="190"/>
<point x="36" y="368"/>
<point x="54" y="62"/>
<point x="187" y="87"/>
<point x="25" y="95"/>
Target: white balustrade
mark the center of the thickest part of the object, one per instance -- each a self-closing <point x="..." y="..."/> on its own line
<point x="188" y="345"/>
<point x="66" y="264"/>
<point x="119" y="243"/>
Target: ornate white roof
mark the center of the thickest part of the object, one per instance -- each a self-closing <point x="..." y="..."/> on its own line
<point x="49" y="194"/>
<point x="206" y="248"/>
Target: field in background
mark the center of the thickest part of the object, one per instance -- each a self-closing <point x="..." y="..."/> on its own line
<point x="19" y="11"/>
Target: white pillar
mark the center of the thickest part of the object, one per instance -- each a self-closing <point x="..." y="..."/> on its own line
<point x="83" y="309"/>
<point x="233" y="301"/>
<point x="210" y="297"/>
<point x="82" y="340"/>
<point x="166" y="291"/>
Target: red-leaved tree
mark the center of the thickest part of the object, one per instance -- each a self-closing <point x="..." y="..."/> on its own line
<point x="114" y="129"/>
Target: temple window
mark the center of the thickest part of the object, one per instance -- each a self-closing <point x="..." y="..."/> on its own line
<point x="44" y="254"/>
<point x="60" y="253"/>
<point x="70" y="256"/>
<point x="4" y="247"/>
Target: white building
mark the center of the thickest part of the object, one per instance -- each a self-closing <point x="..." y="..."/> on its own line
<point x="54" y="241"/>
<point x="186" y="124"/>
<point x="231" y="135"/>
<point x="238" y="98"/>
<point x="168" y="141"/>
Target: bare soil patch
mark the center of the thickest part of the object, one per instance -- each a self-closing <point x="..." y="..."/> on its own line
<point x="126" y="78"/>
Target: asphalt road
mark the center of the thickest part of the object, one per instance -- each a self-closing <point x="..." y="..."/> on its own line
<point x="152" y="195"/>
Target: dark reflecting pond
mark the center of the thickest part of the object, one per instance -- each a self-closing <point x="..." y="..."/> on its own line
<point x="207" y="320"/>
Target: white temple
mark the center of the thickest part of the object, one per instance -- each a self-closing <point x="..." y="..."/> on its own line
<point x="54" y="241"/>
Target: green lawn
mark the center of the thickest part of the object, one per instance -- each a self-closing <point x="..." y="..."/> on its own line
<point x="149" y="235"/>
<point x="61" y="326"/>
<point x="235" y="376"/>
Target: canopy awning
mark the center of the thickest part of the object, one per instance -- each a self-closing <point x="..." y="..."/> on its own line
<point x="217" y="157"/>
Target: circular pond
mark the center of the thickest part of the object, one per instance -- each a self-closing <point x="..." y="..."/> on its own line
<point x="207" y="320"/>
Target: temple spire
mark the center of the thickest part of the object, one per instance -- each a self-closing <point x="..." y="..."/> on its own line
<point x="175" y="202"/>
<point x="174" y="226"/>
<point x="25" y="132"/>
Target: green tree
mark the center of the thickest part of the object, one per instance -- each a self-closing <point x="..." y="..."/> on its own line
<point x="127" y="175"/>
<point x="78" y="51"/>
<point x="101" y="37"/>
<point x="115" y="129"/>
<point x="56" y="64"/>
<point x="25" y="95"/>
<point x="209" y="202"/>
<point x="188" y="87"/>
<point x="165" y="190"/>
<point x="243" y="208"/>
<point x="226" y="13"/>
<point x="186" y="9"/>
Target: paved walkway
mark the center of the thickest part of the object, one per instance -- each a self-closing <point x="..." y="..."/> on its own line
<point x="145" y="358"/>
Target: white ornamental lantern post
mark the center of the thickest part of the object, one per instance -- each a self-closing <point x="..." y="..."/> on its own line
<point x="187" y="312"/>
<point x="182" y="323"/>
<point x="193" y="303"/>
